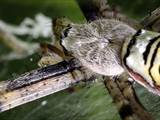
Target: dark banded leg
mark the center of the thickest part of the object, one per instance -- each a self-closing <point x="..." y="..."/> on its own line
<point x="125" y="99"/>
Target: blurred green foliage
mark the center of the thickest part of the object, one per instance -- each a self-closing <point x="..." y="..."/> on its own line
<point x="136" y="8"/>
<point x="85" y="104"/>
<point x="14" y="11"/>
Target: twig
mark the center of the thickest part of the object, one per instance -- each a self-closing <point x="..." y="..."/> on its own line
<point x="35" y="91"/>
<point x="38" y="83"/>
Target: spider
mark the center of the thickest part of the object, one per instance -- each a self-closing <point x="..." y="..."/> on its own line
<point x="108" y="47"/>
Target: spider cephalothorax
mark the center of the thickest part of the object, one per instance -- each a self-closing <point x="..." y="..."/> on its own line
<point x="98" y="44"/>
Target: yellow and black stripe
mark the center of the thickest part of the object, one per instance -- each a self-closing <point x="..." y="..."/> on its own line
<point x="141" y="58"/>
<point x="131" y="43"/>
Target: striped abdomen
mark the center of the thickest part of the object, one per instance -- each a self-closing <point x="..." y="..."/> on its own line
<point x="141" y="58"/>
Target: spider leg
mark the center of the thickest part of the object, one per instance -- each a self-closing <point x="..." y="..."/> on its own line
<point x="51" y="55"/>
